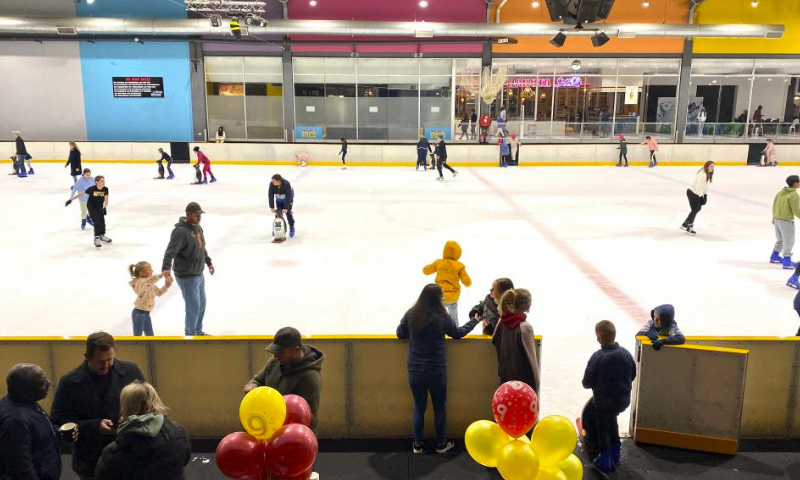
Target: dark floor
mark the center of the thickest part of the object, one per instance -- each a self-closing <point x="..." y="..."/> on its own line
<point x="370" y="460"/>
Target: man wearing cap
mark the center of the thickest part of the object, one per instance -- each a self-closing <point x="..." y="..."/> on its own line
<point x="295" y="369"/>
<point x="187" y="248"/>
<point x="28" y="444"/>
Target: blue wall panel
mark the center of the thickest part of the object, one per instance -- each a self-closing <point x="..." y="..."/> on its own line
<point x="137" y="119"/>
<point x="132" y="9"/>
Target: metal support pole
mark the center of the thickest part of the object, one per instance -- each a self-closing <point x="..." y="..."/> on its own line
<point x="288" y="94"/>
<point x="682" y="107"/>
<point x="197" y="82"/>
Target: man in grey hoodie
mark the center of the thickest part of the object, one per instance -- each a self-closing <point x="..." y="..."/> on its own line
<point x="187" y="247"/>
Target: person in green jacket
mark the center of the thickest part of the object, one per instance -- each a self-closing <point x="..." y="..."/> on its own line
<point x="295" y="369"/>
<point x="785" y="207"/>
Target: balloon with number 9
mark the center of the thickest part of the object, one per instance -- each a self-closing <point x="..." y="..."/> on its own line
<point x="516" y="408"/>
<point x="262" y="412"/>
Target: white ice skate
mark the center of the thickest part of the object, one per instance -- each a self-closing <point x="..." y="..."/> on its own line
<point x="279" y="229"/>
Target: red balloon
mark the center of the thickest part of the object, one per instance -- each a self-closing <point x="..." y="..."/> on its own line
<point x="240" y="455"/>
<point x="516" y="408"/>
<point x="291" y="451"/>
<point x="297" y="410"/>
<point x="261" y="475"/>
<point x="303" y="476"/>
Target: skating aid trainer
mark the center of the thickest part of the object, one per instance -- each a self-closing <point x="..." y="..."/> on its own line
<point x="279" y="229"/>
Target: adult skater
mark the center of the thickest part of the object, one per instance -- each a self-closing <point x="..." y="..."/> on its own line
<point x="464" y="125"/>
<point x="698" y="194"/>
<point x="652" y="145"/>
<point x="441" y="155"/>
<point x="187" y="248"/>
<point x="74" y="162"/>
<point x="21" y="153"/>
<point x="473" y="122"/>
<point x="343" y="152"/>
<point x="281" y="197"/>
<point x="97" y="204"/>
<point x="785" y="207"/>
<point x="221" y="135"/>
<point x="623" y="150"/>
<point x="166" y="158"/>
<point x="81" y="185"/>
<point x="423" y="149"/>
<point x="769" y="154"/>
<point x="203" y="159"/>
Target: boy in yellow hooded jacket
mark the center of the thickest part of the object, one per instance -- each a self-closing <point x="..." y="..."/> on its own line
<point x="449" y="271"/>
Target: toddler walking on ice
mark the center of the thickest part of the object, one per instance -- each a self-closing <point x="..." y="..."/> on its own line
<point x="449" y="271"/>
<point x="144" y="284"/>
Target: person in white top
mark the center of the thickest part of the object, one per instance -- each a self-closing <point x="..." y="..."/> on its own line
<point x="701" y="120"/>
<point x="769" y="154"/>
<point x="698" y="195"/>
<point x="221" y="135"/>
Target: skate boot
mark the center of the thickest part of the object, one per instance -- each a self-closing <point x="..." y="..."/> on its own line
<point x="97" y="242"/>
<point x="619" y="164"/>
<point x="205" y="181"/>
<point x="89" y="220"/>
<point x="171" y="176"/>
<point x="788" y="264"/>
<point x="455" y="174"/>
<point x="30" y="172"/>
<point x="616" y="454"/>
<point x="291" y="232"/>
<point x="792" y="282"/>
<point x="602" y="463"/>
<point x="83" y="224"/>
<point x="626" y="164"/>
<point x="440" y="178"/>
<point x="344" y="167"/>
<point x="105" y="239"/>
<point x="213" y="179"/>
<point x="689" y="230"/>
<point x="776" y="257"/>
<point x="22" y="173"/>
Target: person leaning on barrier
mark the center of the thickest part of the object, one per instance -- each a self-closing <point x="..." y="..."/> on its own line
<point x="89" y="396"/>
<point x="486" y="309"/>
<point x="662" y="324"/>
<point x="149" y="446"/>
<point x="28" y="443"/>
<point x="295" y="369"/>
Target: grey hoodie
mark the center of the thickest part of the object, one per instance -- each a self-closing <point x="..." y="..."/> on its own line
<point x="187" y="246"/>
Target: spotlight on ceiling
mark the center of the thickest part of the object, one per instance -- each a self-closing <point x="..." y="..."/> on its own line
<point x="535" y="4"/>
<point x="262" y="22"/>
<point x="215" y="20"/>
<point x="754" y="3"/>
<point x="645" y="4"/>
<point x="423" y="4"/>
<point x="576" y="65"/>
<point x="558" y="40"/>
<point x="90" y="2"/>
<point x="600" y="39"/>
<point x="248" y="20"/>
<point x="313" y="3"/>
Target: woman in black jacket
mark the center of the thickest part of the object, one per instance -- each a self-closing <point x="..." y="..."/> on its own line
<point x="426" y="324"/>
<point x="74" y="162"/>
<point x="149" y="446"/>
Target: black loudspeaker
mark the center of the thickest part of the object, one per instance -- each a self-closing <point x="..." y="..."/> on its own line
<point x="578" y="11"/>
<point x="180" y="152"/>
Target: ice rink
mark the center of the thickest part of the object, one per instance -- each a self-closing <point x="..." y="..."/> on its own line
<point x="591" y="243"/>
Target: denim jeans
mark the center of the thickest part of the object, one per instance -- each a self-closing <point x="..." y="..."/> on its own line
<point x="141" y="322"/>
<point x="436" y="384"/>
<point x="193" y="288"/>
<point x="452" y="309"/>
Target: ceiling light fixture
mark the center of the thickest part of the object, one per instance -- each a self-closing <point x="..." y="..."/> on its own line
<point x="576" y="65"/>
<point x="535" y="4"/>
<point x="645" y="4"/>
<point x="313" y="3"/>
<point x="600" y="39"/>
<point x="558" y="40"/>
<point x="90" y="2"/>
<point x="423" y="4"/>
<point x="754" y="3"/>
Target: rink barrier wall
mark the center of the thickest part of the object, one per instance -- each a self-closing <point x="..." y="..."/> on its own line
<point x="689" y="396"/>
<point x="365" y="392"/>
<point x="473" y="155"/>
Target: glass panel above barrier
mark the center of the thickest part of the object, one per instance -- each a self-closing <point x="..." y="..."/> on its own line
<point x="722" y="66"/>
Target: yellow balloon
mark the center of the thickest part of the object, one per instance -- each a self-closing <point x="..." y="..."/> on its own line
<point x="572" y="467"/>
<point x="262" y="412"/>
<point x="518" y="461"/>
<point x="484" y="439"/>
<point x="549" y="472"/>
<point x="554" y="439"/>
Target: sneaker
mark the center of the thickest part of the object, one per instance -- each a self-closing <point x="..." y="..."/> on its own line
<point x="104" y="239"/>
<point x="83" y="224"/>
<point x="291" y="232"/>
<point x="445" y="447"/>
<point x="417" y="447"/>
<point x="97" y="242"/>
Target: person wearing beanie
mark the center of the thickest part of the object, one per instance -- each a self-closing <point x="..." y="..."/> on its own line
<point x="785" y="207"/>
<point x="623" y="150"/>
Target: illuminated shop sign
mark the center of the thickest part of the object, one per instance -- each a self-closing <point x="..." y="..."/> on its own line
<point x="546" y="82"/>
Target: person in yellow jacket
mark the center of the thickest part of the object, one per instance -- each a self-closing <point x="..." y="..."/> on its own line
<point x="449" y="272"/>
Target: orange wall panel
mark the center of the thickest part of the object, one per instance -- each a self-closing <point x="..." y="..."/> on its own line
<point x="624" y="11"/>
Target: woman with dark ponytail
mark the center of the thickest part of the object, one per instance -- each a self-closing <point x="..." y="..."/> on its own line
<point x="425" y="325"/>
<point x="513" y="340"/>
<point x="698" y="195"/>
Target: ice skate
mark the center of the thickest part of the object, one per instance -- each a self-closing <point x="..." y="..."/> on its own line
<point x="30" y="172"/>
<point x="455" y="174"/>
<point x="83" y="224"/>
<point x="344" y="167"/>
<point x="213" y="179"/>
<point x="22" y="173"/>
<point x="170" y="177"/>
<point x="97" y="242"/>
<point x="89" y="220"/>
<point x="690" y="231"/>
<point x="291" y="232"/>
<point x="205" y="181"/>
<point x="619" y="164"/>
<point x="440" y="178"/>
<point x="792" y="282"/>
<point x="787" y="263"/>
<point x="105" y="239"/>
<point x="776" y="257"/>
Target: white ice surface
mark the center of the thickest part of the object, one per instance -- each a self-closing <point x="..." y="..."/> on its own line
<point x="591" y="243"/>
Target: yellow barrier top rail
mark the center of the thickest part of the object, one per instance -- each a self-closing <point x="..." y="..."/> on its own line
<point x="311" y="338"/>
<point x="739" y="351"/>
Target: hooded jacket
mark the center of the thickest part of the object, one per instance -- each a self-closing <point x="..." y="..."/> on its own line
<point x="516" y="350"/>
<point x="669" y="328"/>
<point x="28" y="444"/>
<point x="449" y="271"/>
<point x="610" y="374"/>
<point x="187" y="246"/>
<point x="148" y="447"/>
<point x="786" y="205"/>
<point x="303" y="378"/>
<point x="488" y="310"/>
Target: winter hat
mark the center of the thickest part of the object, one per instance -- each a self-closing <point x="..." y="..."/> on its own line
<point x="621" y="136"/>
<point x="514" y="136"/>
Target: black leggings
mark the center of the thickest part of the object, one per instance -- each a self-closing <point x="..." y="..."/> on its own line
<point x="344" y="154"/>
<point x="695" y="203"/>
<point x="443" y="163"/>
<point x="623" y="155"/>
<point x="96" y="214"/>
<point x="653" y="156"/>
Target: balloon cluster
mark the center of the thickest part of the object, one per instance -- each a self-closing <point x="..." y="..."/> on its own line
<point x="278" y="443"/>
<point x="546" y="456"/>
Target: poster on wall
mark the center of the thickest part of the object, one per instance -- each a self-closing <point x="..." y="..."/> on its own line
<point x="433" y="133"/>
<point x="308" y="132"/>
<point x="666" y="109"/>
<point x="631" y="95"/>
<point x="138" y="87"/>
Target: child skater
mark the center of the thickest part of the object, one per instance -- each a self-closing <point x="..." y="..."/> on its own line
<point x="610" y="374"/>
<point x="165" y="157"/>
<point x="203" y="160"/>
<point x="81" y="184"/>
<point x="97" y="204"/>
<point x="144" y="284"/>
<point x="652" y="145"/>
<point x="343" y="152"/>
<point x="623" y="150"/>
<point x="448" y="273"/>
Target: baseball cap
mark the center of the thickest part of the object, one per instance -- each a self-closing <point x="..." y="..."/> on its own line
<point x="286" y="337"/>
<point x="194" y="207"/>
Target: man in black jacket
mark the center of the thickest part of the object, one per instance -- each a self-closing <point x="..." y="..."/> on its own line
<point x="187" y="247"/>
<point x="89" y="396"/>
<point x="22" y="154"/>
<point x="28" y="443"/>
<point x="441" y="153"/>
<point x="281" y="197"/>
